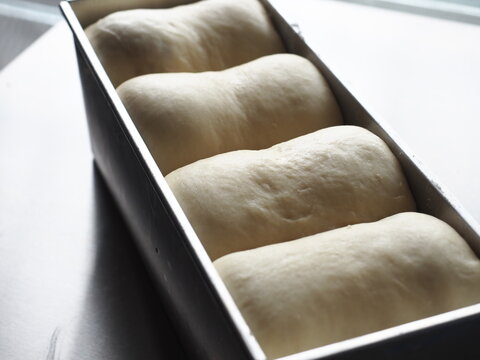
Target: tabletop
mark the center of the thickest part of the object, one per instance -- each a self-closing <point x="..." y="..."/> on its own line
<point x="72" y="285"/>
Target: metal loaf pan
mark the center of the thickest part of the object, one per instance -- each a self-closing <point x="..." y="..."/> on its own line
<point x="206" y="317"/>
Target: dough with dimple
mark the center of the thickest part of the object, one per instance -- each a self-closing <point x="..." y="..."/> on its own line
<point x="184" y="117"/>
<point x="320" y="181"/>
<point x="351" y="281"/>
<point x="206" y="35"/>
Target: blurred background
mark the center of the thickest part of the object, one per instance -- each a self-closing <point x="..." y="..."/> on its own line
<point x="22" y="22"/>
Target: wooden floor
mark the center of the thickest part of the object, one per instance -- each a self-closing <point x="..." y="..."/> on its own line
<point x="21" y="23"/>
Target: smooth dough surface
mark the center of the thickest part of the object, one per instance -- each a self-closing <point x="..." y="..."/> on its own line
<point x="184" y="117"/>
<point x="206" y="35"/>
<point x="351" y="281"/>
<point x="104" y="8"/>
<point x="333" y="177"/>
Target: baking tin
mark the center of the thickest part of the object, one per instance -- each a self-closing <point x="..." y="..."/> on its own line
<point x="206" y="317"/>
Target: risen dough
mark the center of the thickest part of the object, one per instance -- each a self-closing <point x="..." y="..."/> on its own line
<point x="206" y="35"/>
<point x="184" y="117"/>
<point x="327" y="179"/>
<point x="351" y="281"/>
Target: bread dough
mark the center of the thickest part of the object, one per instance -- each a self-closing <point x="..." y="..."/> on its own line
<point x="88" y="14"/>
<point x="184" y="117"/>
<point x="351" y="281"/>
<point x="320" y="181"/>
<point x="206" y="35"/>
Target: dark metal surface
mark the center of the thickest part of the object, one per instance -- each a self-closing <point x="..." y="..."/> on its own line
<point x="72" y="284"/>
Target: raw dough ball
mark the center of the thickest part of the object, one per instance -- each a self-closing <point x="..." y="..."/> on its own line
<point x="184" y="117"/>
<point x="327" y="179"/>
<point x="206" y="35"/>
<point x="351" y="281"/>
